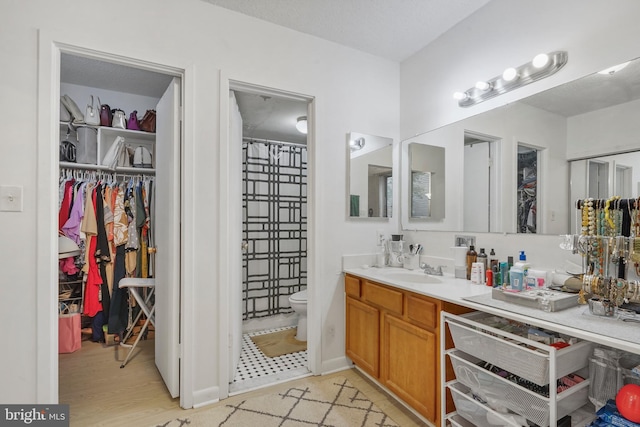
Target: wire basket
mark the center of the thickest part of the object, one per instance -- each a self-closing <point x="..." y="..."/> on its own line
<point x="502" y="394"/>
<point x="510" y="353"/>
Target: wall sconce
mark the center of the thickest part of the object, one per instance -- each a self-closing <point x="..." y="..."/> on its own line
<point x="356" y="144"/>
<point x="301" y="124"/>
<point x="543" y="65"/>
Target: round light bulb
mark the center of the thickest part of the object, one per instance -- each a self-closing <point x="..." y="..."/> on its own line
<point x="483" y="86"/>
<point x="540" y="60"/>
<point x="460" y="96"/>
<point x="509" y="74"/>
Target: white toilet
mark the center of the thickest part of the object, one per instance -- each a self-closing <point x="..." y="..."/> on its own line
<point x="298" y="303"/>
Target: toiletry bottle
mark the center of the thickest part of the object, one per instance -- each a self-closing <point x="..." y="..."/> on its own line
<point x="482" y="257"/>
<point x="497" y="277"/>
<point x="522" y="264"/>
<point x="509" y="265"/>
<point x="493" y="259"/>
<point x="472" y="256"/>
<point x="489" y="279"/>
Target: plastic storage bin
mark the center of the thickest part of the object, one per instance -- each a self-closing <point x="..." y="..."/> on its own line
<point x="512" y="353"/>
<point x="499" y="391"/>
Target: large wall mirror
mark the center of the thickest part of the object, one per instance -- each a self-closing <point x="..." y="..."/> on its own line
<point x="519" y="168"/>
<point x="425" y="180"/>
<point x="370" y="180"/>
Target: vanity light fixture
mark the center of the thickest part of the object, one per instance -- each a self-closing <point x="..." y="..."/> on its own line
<point x="543" y="65"/>
<point x="301" y="124"/>
<point x="509" y="74"/>
<point x="356" y="144"/>
<point x="612" y="70"/>
<point x="483" y="86"/>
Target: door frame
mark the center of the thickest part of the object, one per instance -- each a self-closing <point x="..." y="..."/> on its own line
<point x="50" y="46"/>
<point x="230" y="259"/>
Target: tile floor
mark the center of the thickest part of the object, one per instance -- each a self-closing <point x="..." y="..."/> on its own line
<point x="256" y="370"/>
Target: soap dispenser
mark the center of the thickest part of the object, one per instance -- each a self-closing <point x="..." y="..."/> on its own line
<point x="522" y="263"/>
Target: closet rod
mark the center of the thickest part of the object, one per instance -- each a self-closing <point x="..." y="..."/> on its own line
<point x="102" y="168"/>
<point x="295" y="144"/>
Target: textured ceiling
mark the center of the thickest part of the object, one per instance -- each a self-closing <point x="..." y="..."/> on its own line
<point x="392" y="29"/>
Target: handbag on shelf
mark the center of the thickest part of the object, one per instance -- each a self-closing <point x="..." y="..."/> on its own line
<point x="133" y="123"/>
<point x="142" y="158"/>
<point x="67" y="147"/>
<point x="69" y="330"/>
<point x="124" y="156"/>
<point x="67" y="151"/>
<point x="65" y="116"/>
<point x="111" y="158"/>
<point x="119" y="120"/>
<point x="73" y="109"/>
<point x="148" y="122"/>
<point x="92" y="114"/>
<point x="105" y="114"/>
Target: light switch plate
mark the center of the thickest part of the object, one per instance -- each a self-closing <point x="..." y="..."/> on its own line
<point x="10" y="198"/>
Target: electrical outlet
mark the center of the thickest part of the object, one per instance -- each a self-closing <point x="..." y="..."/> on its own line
<point x="379" y="237"/>
<point x="467" y="241"/>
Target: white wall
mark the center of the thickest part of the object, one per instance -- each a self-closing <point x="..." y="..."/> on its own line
<point x="506" y="33"/>
<point x="213" y="42"/>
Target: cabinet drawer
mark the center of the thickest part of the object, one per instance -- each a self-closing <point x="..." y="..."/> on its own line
<point x="386" y="298"/>
<point x="352" y="286"/>
<point x="422" y="311"/>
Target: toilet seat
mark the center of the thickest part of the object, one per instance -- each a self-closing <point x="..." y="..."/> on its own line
<point x="299" y="296"/>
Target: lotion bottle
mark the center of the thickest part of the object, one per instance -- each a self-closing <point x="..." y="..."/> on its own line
<point x="522" y="264"/>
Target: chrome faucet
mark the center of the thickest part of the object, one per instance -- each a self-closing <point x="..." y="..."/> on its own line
<point x="437" y="271"/>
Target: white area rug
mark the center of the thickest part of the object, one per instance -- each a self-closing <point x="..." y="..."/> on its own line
<point x="334" y="402"/>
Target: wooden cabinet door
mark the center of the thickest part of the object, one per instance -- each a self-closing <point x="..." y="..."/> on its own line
<point x="409" y="365"/>
<point x="363" y="336"/>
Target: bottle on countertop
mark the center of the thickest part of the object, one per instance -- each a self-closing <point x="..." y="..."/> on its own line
<point x="482" y="257"/>
<point x="484" y="260"/>
<point x="522" y="264"/>
<point x="472" y="256"/>
<point x="493" y="259"/>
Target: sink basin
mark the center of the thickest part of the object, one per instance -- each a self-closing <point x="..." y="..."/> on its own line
<point x="409" y="276"/>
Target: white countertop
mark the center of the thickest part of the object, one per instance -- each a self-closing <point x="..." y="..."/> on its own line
<point x="576" y="321"/>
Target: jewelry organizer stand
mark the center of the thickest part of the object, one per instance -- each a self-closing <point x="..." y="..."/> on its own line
<point x="609" y="242"/>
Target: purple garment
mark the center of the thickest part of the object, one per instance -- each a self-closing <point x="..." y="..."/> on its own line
<point x="71" y="228"/>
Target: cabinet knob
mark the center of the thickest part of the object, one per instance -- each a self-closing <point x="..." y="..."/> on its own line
<point x="152" y="250"/>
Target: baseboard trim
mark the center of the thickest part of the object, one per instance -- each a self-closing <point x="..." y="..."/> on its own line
<point x="206" y="397"/>
<point x="335" y="365"/>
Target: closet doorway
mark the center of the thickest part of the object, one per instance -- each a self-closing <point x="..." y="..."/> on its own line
<point x="130" y="85"/>
<point x="270" y="197"/>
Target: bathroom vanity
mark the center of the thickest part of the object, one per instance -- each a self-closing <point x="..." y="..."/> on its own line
<point x="396" y="334"/>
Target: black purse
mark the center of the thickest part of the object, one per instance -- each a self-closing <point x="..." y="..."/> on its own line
<point x="67" y="148"/>
<point x="67" y="151"/>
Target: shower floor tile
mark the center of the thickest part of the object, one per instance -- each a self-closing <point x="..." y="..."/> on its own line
<point x="255" y="369"/>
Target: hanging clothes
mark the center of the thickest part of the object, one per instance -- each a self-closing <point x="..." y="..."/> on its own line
<point x="109" y="217"/>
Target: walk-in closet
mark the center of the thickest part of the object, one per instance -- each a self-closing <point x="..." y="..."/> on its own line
<point x="118" y="217"/>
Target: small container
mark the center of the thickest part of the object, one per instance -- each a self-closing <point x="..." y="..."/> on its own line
<point x="516" y="279"/>
<point x="477" y="273"/>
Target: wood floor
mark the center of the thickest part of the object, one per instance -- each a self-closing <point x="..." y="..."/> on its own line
<point x="99" y="393"/>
